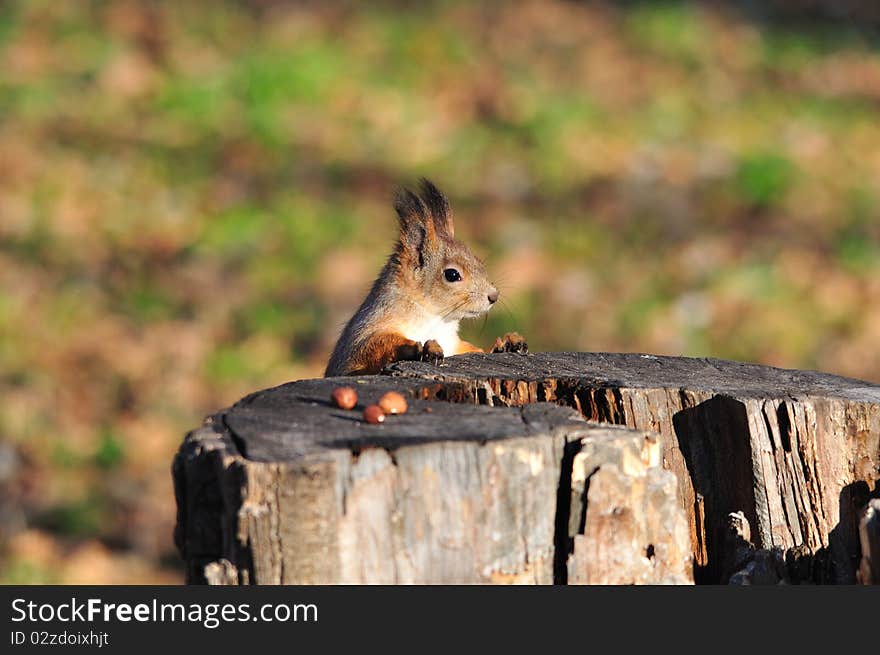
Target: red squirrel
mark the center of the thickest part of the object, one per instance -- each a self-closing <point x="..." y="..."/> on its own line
<point x="430" y="282"/>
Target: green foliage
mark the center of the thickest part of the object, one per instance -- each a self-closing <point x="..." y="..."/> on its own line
<point x="796" y="50"/>
<point x="227" y="364"/>
<point x="23" y="572"/>
<point x="110" y="451"/>
<point x="763" y="178"/>
<point x="236" y="233"/>
<point x="148" y="301"/>
<point x="669" y="29"/>
<point x="63" y="456"/>
<point x="76" y="518"/>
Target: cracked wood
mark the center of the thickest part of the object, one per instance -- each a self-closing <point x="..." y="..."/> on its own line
<point x="471" y="485"/>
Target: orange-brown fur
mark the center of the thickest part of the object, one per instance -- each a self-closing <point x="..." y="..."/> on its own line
<point x="465" y="347"/>
<point x="413" y="308"/>
<point x="381" y="349"/>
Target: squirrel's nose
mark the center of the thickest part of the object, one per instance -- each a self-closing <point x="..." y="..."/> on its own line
<point x="493" y="296"/>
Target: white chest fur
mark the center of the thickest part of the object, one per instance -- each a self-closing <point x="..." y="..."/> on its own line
<point x="433" y="327"/>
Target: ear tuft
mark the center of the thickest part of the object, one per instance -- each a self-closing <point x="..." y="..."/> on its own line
<point x="438" y="206"/>
<point x="409" y="207"/>
<point x="416" y="227"/>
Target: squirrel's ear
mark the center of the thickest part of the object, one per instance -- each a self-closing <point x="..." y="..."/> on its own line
<point x="439" y="208"/>
<point x="417" y="229"/>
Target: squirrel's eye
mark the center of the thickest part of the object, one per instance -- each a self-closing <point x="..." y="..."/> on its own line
<point x="452" y="275"/>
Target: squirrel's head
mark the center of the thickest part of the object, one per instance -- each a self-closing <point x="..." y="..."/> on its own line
<point x="441" y="272"/>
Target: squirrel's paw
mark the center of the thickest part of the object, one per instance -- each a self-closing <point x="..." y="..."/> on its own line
<point x="512" y="342"/>
<point x="432" y="352"/>
<point x="409" y="351"/>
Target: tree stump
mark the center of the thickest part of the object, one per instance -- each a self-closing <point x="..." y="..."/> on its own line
<point x="503" y="472"/>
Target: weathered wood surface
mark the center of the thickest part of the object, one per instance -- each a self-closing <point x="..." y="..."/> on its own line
<point x="796" y="451"/>
<point x="490" y="487"/>
<point x="285" y="488"/>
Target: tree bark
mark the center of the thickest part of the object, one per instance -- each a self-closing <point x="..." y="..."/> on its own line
<point x="493" y="476"/>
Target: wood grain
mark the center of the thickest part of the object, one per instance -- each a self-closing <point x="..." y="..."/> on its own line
<point x="486" y="478"/>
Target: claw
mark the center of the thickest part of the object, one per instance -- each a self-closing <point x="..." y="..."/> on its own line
<point x="432" y="352"/>
<point x="512" y="342"/>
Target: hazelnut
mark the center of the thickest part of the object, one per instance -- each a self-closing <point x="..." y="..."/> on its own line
<point x="393" y="403"/>
<point x="345" y="397"/>
<point x="374" y="414"/>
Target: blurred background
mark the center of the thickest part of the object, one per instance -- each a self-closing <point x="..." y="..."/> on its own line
<point x="194" y="197"/>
